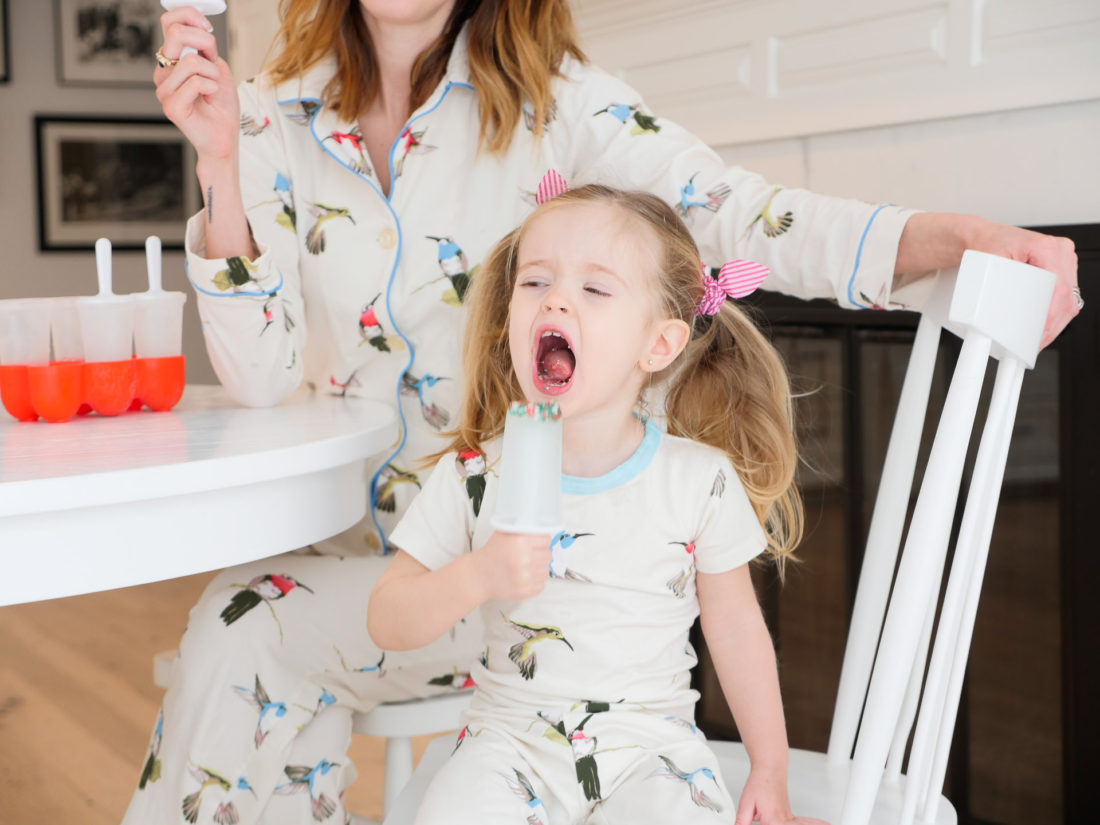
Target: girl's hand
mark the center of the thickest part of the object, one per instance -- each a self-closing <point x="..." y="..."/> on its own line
<point x="764" y="800"/>
<point x="198" y="94"/>
<point x="512" y="566"/>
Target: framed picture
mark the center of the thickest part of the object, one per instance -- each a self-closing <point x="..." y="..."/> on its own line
<point x="5" y="68"/>
<point x="107" y="42"/>
<point x="123" y="179"/>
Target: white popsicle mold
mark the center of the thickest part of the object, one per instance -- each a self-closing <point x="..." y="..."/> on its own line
<point x="106" y="319"/>
<point x="25" y="332"/>
<point x="158" y="316"/>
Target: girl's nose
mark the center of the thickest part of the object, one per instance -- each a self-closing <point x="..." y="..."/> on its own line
<point x="555" y="301"/>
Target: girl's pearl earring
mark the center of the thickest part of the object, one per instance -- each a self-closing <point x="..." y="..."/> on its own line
<point x="651" y="362"/>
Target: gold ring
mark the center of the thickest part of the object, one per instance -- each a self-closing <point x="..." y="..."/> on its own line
<point x="164" y="62"/>
<point x="1077" y="295"/>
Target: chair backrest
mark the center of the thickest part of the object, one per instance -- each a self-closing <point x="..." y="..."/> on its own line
<point x="998" y="307"/>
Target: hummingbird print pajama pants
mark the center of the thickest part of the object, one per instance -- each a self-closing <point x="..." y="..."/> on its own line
<point x="590" y="763"/>
<point x="256" y="722"/>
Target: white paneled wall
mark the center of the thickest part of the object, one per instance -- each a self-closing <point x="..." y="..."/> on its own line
<point x="983" y="106"/>
<point x="798" y="67"/>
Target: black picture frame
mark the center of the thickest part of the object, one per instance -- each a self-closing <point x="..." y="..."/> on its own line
<point x="5" y="60"/>
<point x="118" y="178"/>
<point x="106" y="42"/>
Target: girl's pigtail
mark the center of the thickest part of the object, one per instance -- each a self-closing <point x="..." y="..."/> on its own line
<point x="731" y="391"/>
<point x="491" y="384"/>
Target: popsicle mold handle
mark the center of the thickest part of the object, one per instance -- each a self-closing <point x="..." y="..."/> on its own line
<point x="204" y="6"/>
<point x="153" y="262"/>
<point x="207" y="7"/>
<point x="103" y="265"/>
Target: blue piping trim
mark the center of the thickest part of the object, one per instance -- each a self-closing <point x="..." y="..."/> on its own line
<point x="629" y="469"/>
<point x="410" y="122"/>
<point x="199" y="289"/>
<point x="268" y="293"/>
<point x="388" y="290"/>
<point x="859" y="254"/>
<point x="316" y="100"/>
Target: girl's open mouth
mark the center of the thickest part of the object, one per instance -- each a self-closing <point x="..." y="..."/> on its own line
<point x="554" y="363"/>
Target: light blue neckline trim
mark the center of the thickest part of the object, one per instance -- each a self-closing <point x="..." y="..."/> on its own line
<point x="859" y="254"/>
<point x="629" y="469"/>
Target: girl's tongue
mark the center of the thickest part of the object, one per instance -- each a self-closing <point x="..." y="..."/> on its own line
<point x="558" y="365"/>
<point x="554" y="363"/>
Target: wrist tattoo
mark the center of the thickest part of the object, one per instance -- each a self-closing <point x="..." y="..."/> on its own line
<point x="210" y="204"/>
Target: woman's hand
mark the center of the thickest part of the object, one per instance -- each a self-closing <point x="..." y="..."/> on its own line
<point x="1047" y="252"/>
<point x="512" y="566"/>
<point x="198" y="93"/>
<point x="932" y="240"/>
<point x="764" y="800"/>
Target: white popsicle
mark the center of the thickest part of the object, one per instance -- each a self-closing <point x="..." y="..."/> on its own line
<point x="529" y="500"/>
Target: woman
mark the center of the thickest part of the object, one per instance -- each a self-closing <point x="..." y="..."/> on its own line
<point x="351" y="193"/>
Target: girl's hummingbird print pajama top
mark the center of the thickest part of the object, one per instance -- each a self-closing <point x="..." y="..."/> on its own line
<point x="356" y="292"/>
<point x="583" y="710"/>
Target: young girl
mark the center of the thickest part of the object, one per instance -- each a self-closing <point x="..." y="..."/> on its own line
<point x="583" y="710"/>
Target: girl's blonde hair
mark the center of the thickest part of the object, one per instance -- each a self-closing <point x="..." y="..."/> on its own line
<point x="515" y="48"/>
<point x="729" y="387"/>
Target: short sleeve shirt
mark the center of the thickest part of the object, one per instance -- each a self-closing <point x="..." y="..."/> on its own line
<point x="612" y="622"/>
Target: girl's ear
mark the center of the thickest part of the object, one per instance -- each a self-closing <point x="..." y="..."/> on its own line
<point x="670" y="338"/>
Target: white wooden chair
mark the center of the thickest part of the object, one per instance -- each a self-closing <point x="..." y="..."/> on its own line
<point x="998" y="307"/>
<point x="396" y="722"/>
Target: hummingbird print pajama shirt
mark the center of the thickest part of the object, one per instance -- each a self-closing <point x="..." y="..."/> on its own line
<point x="359" y="292"/>
<point x="583" y="710"/>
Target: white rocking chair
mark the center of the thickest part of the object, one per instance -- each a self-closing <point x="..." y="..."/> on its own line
<point x="998" y="307"/>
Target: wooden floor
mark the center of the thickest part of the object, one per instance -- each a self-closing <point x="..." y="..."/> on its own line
<point x="77" y="703"/>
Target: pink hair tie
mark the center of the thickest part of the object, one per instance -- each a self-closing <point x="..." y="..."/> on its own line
<point x="736" y="279"/>
<point x="551" y="185"/>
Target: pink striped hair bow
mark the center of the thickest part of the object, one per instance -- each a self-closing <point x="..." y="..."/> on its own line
<point x="736" y="279"/>
<point x="551" y="185"/>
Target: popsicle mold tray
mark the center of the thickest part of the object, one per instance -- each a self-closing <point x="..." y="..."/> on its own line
<point x="58" y="391"/>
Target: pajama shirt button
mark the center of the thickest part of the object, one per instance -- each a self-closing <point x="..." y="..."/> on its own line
<point x="387" y="238"/>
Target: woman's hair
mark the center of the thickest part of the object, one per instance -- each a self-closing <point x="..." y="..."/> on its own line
<point x="728" y="388"/>
<point x="515" y="48"/>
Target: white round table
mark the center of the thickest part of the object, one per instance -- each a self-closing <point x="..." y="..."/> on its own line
<point x="99" y="503"/>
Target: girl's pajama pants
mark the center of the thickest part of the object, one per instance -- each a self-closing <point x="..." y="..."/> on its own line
<point x="604" y="767"/>
<point x="255" y="725"/>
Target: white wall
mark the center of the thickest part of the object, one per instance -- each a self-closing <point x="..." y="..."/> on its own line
<point x="1028" y="167"/>
<point x="983" y="106"/>
<point x="33" y="89"/>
